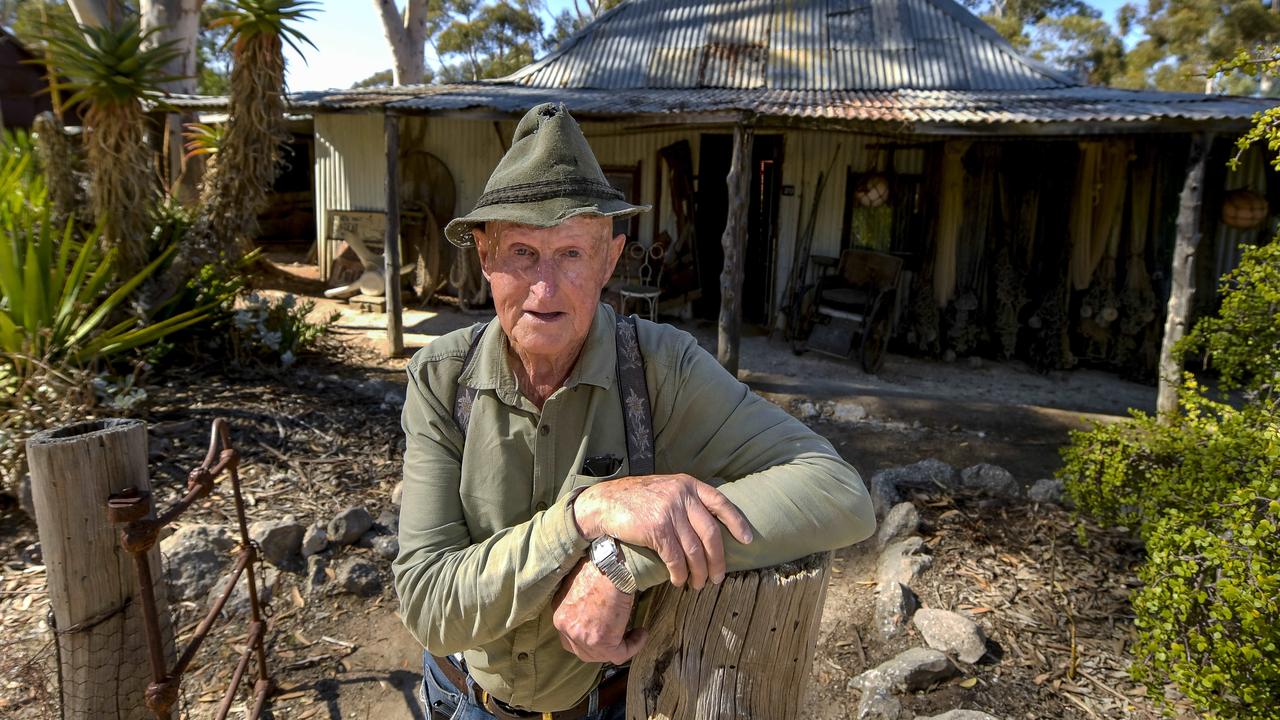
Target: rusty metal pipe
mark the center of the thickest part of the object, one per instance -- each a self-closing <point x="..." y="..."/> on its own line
<point x="205" y="625"/>
<point x="255" y="635"/>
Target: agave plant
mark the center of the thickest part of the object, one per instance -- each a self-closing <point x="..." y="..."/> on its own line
<point x="111" y="73"/>
<point x="202" y="139"/>
<point x="58" y="291"/>
<point x="248" y="157"/>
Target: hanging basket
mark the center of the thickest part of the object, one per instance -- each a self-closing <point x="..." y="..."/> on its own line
<point x="1244" y="209"/>
<point x="872" y="192"/>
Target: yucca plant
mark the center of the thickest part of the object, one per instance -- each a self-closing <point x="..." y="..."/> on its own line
<point x="242" y="171"/>
<point x="110" y="72"/>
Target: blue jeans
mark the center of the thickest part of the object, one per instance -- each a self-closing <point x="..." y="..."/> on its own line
<point x="444" y="700"/>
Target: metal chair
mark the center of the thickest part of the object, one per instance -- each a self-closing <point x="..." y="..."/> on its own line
<point x="647" y="264"/>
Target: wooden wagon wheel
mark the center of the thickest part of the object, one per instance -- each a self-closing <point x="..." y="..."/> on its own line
<point x="875" y="338"/>
<point x="428" y="190"/>
<point x="801" y="322"/>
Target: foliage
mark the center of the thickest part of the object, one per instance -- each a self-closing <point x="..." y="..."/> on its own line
<point x="203" y="139"/>
<point x="1132" y="473"/>
<point x="382" y="78"/>
<point x="276" y="329"/>
<point x="1066" y="34"/>
<point x="570" y="21"/>
<point x="269" y="20"/>
<point x="213" y="56"/>
<point x="1243" y="341"/>
<point x="1183" y="39"/>
<point x="478" y="40"/>
<point x="1209" y="615"/>
<point x="111" y="73"/>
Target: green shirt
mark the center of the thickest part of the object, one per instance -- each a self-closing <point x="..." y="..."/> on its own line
<point x="486" y="534"/>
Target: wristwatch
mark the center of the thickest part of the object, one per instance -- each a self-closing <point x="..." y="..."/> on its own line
<point x="606" y="553"/>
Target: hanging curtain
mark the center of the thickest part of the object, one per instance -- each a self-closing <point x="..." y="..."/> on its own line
<point x="949" y="218"/>
<point x="1097" y="208"/>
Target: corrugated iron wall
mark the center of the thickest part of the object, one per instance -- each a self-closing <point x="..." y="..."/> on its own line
<point x="350" y="171"/>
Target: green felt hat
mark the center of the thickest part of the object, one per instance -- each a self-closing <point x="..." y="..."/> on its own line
<point x="548" y="176"/>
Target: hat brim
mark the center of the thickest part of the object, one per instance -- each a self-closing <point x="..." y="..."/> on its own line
<point x="543" y="213"/>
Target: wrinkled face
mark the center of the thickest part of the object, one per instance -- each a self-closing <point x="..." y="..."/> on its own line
<point x="547" y="281"/>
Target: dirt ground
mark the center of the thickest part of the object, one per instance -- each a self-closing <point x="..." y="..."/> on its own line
<point x="319" y="437"/>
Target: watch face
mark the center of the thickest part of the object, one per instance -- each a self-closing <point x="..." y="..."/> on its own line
<point x="601" y="550"/>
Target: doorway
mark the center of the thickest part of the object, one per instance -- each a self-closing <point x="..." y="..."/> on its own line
<point x="714" y="157"/>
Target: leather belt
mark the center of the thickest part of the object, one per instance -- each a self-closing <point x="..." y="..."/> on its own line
<point x="612" y="689"/>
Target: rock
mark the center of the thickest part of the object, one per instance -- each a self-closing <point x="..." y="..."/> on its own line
<point x="895" y="604"/>
<point x="387" y="547"/>
<point x="388" y="521"/>
<point x="992" y="481"/>
<point x="26" y="498"/>
<point x="960" y="715"/>
<point x="347" y="526"/>
<point x="911" y="671"/>
<point x="397" y="493"/>
<point x="849" y="412"/>
<point x="883" y="488"/>
<point x="279" y="540"/>
<point x="1047" y="491"/>
<point x="315" y="540"/>
<point x="951" y="633"/>
<point x="902" y="561"/>
<point x="359" y="577"/>
<point x="931" y="475"/>
<point x="878" y="703"/>
<point x="317" y="577"/>
<point x="195" y="556"/>
<point x="901" y="522"/>
<point x="238" y="604"/>
<point x="32" y="554"/>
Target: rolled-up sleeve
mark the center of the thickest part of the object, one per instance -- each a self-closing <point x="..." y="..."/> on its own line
<point x="800" y="496"/>
<point x="456" y="594"/>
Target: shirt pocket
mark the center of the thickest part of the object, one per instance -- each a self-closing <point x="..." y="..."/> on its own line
<point x="581" y="479"/>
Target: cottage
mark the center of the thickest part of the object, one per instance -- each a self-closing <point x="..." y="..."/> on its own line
<point x="1033" y="215"/>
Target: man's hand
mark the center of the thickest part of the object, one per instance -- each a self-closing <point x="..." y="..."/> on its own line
<point x="591" y="615"/>
<point x="674" y="515"/>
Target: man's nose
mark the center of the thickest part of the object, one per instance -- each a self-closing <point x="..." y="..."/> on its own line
<point x="545" y="279"/>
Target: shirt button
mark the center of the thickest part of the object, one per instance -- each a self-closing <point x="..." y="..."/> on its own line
<point x="540" y="506"/>
<point x="522" y="657"/>
<point x="545" y="430"/>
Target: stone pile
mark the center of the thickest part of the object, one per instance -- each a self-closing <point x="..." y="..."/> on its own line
<point x="903" y="556"/>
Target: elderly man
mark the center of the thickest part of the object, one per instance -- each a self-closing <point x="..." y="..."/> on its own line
<point x="561" y="460"/>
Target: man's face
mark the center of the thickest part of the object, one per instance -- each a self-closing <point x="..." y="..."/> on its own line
<point x="547" y="281"/>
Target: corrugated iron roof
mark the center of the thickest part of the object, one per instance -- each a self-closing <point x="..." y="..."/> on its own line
<point x="899" y="107"/>
<point x="811" y="45"/>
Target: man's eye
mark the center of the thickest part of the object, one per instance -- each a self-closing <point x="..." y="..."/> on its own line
<point x="523" y="252"/>
<point x="573" y="253"/>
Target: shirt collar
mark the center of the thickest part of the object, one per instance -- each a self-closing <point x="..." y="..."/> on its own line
<point x="490" y="369"/>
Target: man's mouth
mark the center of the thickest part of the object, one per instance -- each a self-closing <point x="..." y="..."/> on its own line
<point x="545" y="316"/>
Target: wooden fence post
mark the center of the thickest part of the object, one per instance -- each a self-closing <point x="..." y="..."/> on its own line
<point x="740" y="649"/>
<point x="101" y="639"/>
<point x="734" y="243"/>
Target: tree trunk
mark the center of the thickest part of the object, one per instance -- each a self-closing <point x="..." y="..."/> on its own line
<point x="740" y="649"/>
<point x="91" y="580"/>
<point x="734" y="242"/>
<point x="406" y="34"/>
<point x="176" y="21"/>
<point x="391" y="244"/>
<point x="1183" y="290"/>
<point x="90" y="13"/>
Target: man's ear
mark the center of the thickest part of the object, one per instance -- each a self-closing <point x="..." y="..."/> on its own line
<point x="483" y="247"/>
<point x="616" y="246"/>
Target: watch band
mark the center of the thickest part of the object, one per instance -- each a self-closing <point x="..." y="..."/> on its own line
<point x="606" y="553"/>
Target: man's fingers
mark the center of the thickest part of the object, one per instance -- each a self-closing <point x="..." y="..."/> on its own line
<point x="709" y="532"/>
<point x="669" y="550"/>
<point x="726" y="512"/>
<point x="691" y="544"/>
<point x="632" y="643"/>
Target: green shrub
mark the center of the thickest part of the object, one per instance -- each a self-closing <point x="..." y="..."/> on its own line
<point x="1208" y="615"/>
<point x="276" y="330"/>
<point x="1131" y="473"/>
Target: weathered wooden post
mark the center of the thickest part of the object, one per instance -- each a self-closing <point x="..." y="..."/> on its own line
<point x="734" y="242"/>
<point x="1183" y="290"/>
<point x="740" y="649"/>
<point x="391" y="245"/>
<point x="101" y="637"/>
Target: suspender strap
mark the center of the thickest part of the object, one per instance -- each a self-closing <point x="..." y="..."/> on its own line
<point x="464" y="396"/>
<point x="633" y="391"/>
<point x="637" y="416"/>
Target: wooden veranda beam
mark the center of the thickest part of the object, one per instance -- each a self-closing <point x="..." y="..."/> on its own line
<point x="1183" y="290"/>
<point x="391" y="244"/>
<point x="734" y="242"/>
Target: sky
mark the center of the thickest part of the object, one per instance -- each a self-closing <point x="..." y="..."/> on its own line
<point x="351" y="46"/>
